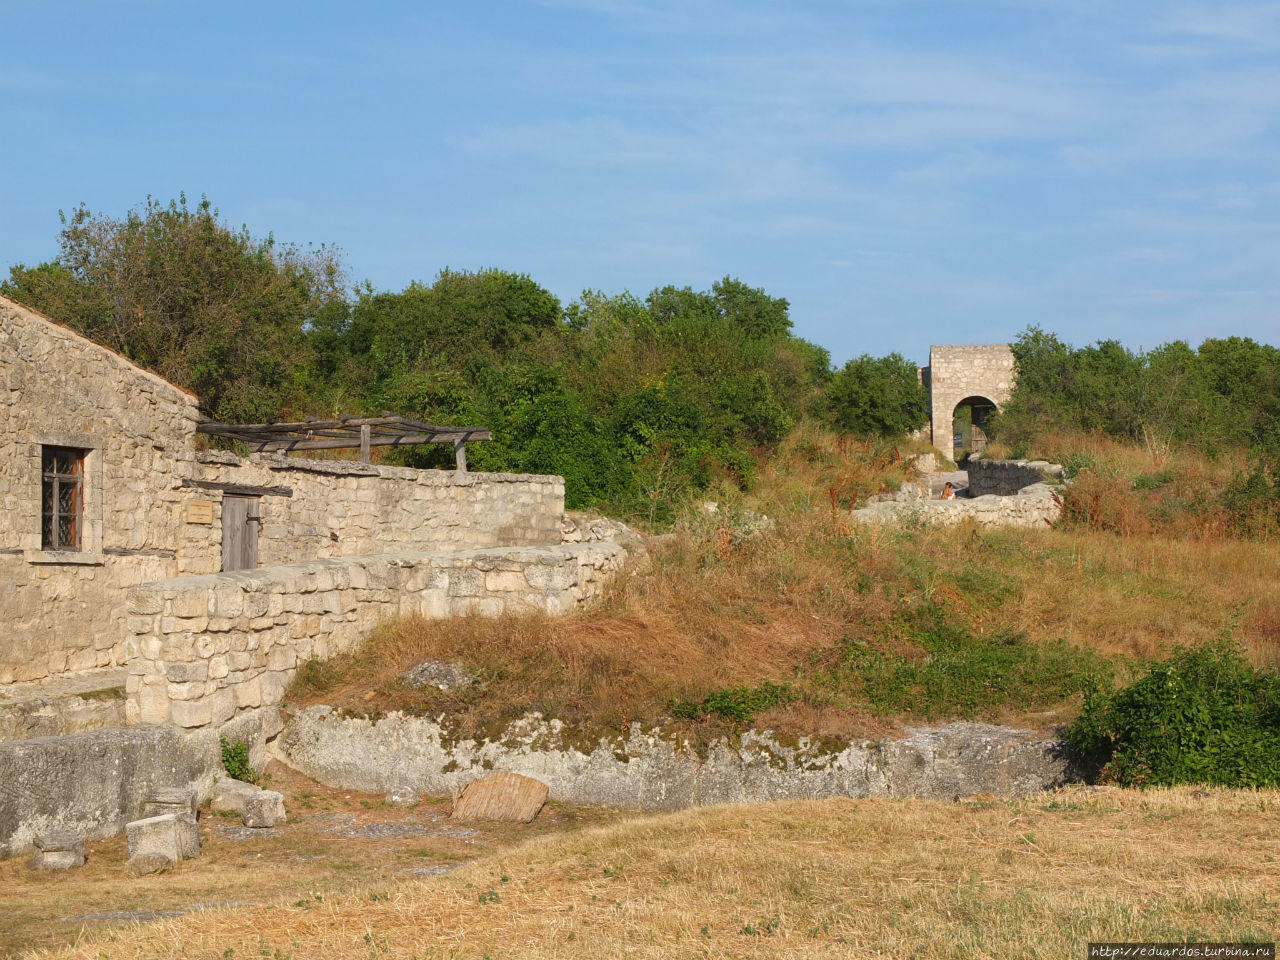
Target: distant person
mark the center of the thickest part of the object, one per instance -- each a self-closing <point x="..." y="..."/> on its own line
<point x="948" y="492"/>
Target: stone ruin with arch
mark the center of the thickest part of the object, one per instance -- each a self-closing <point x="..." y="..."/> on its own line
<point x="980" y="376"/>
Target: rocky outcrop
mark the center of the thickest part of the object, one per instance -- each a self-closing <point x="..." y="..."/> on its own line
<point x="655" y="770"/>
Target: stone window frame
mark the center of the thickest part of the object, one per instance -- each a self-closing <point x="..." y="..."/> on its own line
<point x="90" y="551"/>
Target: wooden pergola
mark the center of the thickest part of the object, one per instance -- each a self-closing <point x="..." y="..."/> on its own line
<point x="346" y="432"/>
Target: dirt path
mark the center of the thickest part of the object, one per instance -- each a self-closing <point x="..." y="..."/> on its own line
<point x="334" y="840"/>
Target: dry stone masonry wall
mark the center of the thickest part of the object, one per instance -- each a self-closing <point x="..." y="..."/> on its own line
<point x="315" y="509"/>
<point x="152" y="503"/>
<point x="62" y="610"/>
<point x="1035" y="503"/>
<point x="1003" y="478"/>
<point x="203" y="649"/>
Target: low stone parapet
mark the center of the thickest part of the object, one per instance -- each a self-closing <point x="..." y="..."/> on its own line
<point x="1038" y="505"/>
<point x="203" y="649"/>
<point x="1003" y="478"/>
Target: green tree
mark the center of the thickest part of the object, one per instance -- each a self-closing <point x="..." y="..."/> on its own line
<point x="878" y="396"/>
<point x="179" y="292"/>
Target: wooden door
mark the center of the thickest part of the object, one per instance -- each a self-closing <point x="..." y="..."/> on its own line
<point x="240" y="519"/>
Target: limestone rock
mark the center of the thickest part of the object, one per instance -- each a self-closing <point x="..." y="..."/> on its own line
<point x="401" y="796"/>
<point x="147" y="863"/>
<point x="501" y="796"/>
<point x="265" y="808"/>
<point x="437" y="673"/>
<point x="58" y="850"/>
<point x="172" y="836"/>
<point x="229" y="795"/>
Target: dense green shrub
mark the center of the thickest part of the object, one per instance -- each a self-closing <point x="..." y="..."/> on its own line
<point x="957" y="673"/>
<point x="735" y="704"/>
<point x="235" y="760"/>
<point x="1202" y="716"/>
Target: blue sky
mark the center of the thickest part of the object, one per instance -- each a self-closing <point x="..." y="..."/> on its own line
<point x="903" y="172"/>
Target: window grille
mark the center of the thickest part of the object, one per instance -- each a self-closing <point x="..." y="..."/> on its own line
<point x="61" y="497"/>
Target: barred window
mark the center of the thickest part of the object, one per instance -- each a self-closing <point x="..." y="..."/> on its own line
<point x="61" y="497"/>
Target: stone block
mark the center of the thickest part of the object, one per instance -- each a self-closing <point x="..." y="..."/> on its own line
<point x="59" y="849"/>
<point x="147" y="864"/>
<point x="167" y="836"/>
<point x="273" y="686"/>
<point x="248" y="693"/>
<point x="191" y="713"/>
<point x="153" y="703"/>
<point x="229" y="795"/>
<point x="222" y="706"/>
<point x="187" y="672"/>
<point x="281" y="657"/>
<point x="263" y="809"/>
<point x="226" y="601"/>
<point x="144" y="603"/>
<point x="170" y="800"/>
<point x="189" y="603"/>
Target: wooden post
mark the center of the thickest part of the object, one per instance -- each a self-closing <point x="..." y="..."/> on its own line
<point x="460" y="454"/>
<point x="364" y="443"/>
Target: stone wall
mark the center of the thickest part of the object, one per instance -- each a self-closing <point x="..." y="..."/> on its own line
<point x="1003" y="478"/>
<point x="63" y="610"/>
<point x="956" y="373"/>
<point x="203" y="649"/>
<point x="657" y="770"/>
<point x="314" y="509"/>
<point x="153" y="503"/>
<point x="1036" y="506"/>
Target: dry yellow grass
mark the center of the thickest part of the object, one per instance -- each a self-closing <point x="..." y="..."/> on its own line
<point x="837" y="878"/>
<point x="780" y="603"/>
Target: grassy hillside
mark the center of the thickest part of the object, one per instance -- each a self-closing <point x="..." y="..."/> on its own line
<point x="835" y="878"/>
<point x="813" y="626"/>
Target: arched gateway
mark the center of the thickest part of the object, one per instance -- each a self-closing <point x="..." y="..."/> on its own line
<point x="979" y="377"/>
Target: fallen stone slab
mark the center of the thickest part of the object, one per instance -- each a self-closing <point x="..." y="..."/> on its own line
<point x="263" y="809"/>
<point x="229" y="795"/>
<point x="171" y="800"/>
<point x="174" y="836"/>
<point x="501" y="796"/>
<point x="147" y="863"/>
<point x="58" y="850"/>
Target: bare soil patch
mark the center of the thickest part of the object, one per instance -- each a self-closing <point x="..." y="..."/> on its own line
<point x="335" y="840"/>
<point x="981" y="878"/>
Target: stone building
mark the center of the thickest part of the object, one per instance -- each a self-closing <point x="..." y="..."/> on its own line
<point x="980" y="377"/>
<point x="104" y="487"/>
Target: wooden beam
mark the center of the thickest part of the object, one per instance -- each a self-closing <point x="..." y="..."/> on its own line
<point x="364" y="443"/>
<point x="375" y="440"/>
<point x="460" y="454"/>
<point x="239" y="489"/>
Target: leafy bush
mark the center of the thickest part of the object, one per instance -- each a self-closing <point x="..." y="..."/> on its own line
<point x="1252" y="499"/>
<point x="958" y="673"/>
<point x="1202" y="716"/>
<point x="235" y="760"/>
<point x="736" y="704"/>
